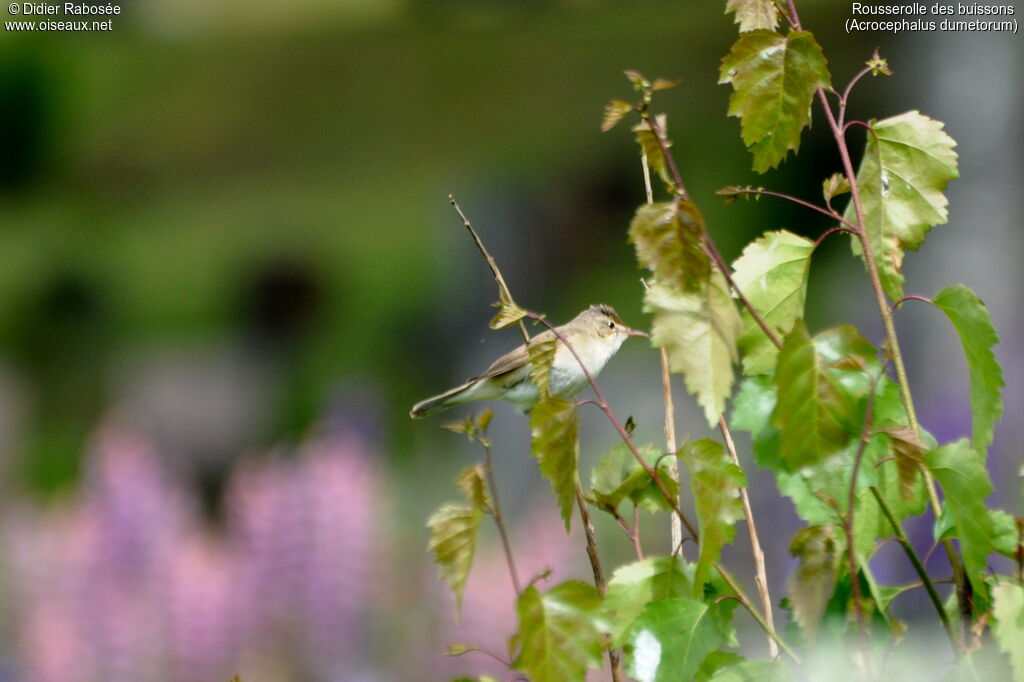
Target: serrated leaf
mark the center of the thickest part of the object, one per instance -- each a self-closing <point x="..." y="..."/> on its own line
<point x="754" y="14"/>
<point x="773" y="78"/>
<point x="542" y="356"/>
<point x="908" y="449"/>
<point x="960" y="471"/>
<point x="772" y="274"/>
<point x="473" y="427"/>
<point x="754" y="671"/>
<point x="669" y="240"/>
<point x="635" y="585"/>
<point x="652" y="149"/>
<point x="1005" y="536"/>
<point x="555" y="444"/>
<point x="636" y="78"/>
<point x="619" y="476"/>
<point x="698" y="330"/>
<point x="714" y="662"/>
<point x="818" y="384"/>
<point x="670" y="639"/>
<point x="715" y="481"/>
<point x="819" y="549"/>
<point x="508" y="314"/>
<point x="978" y="335"/>
<point x="834" y="185"/>
<point x="560" y="632"/>
<point x="665" y="83"/>
<point x="1008" y="629"/>
<point x="753" y="405"/>
<point x="473" y="484"/>
<point x="905" y="169"/>
<point x="613" y="113"/>
<point x="453" y="533"/>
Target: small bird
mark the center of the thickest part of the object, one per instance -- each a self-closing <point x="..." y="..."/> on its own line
<point x="595" y="334"/>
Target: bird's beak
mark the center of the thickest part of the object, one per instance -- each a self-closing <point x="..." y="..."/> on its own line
<point x="636" y="332"/>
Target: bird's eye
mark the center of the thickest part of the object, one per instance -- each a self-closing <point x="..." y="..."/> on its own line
<point x="611" y="325"/>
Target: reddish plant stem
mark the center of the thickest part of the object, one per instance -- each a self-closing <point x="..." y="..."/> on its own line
<point x="801" y="202"/>
<point x="628" y="440"/>
<point x="962" y="587"/>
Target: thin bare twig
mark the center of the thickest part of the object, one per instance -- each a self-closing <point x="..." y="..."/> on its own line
<point x="581" y="504"/>
<point x="760" y="574"/>
<point x="675" y="528"/>
<point x="499" y="520"/>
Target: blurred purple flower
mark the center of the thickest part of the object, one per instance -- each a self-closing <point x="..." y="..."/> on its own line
<point x="127" y="583"/>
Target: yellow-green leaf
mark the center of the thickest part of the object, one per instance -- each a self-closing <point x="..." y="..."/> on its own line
<point x="669" y="240"/>
<point x="560" y="632"/>
<point x="508" y="315"/>
<point x="473" y="484"/>
<point x="774" y="78"/>
<point x="453" y="533"/>
<point x="754" y="14"/>
<point x="698" y="330"/>
<point x="613" y="113"/>
<point x="1008" y="610"/>
<point x="553" y="424"/>
<point x="772" y="274"/>
<point x="908" y="162"/>
<point x="908" y="449"/>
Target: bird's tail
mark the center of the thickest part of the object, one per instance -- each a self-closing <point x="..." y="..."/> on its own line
<point x="441" y="402"/>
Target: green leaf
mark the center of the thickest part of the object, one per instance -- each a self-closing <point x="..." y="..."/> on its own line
<point x="619" y="476"/>
<point x="472" y="482"/>
<point x="1006" y="536"/>
<point x="961" y="473"/>
<point x="613" y="113"/>
<point x="818" y="383"/>
<point x="753" y="405"/>
<point x="553" y="424"/>
<point x="978" y="335"/>
<point x="772" y="274"/>
<point x="754" y="671"/>
<point x="560" y="632"/>
<point x="754" y="14"/>
<point x="633" y="586"/>
<point x="715" y="661"/>
<point x="716" y="481"/>
<point x="669" y="240"/>
<point x="1009" y="626"/>
<point x="453" y="533"/>
<point x="670" y="639"/>
<point x="508" y="314"/>
<point x="773" y="78"/>
<point x="698" y="330"/>
<point x="905" y="169"/>
<point x="819" y="550"/>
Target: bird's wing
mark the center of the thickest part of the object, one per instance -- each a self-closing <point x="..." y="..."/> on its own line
<point x="514" y="359"/>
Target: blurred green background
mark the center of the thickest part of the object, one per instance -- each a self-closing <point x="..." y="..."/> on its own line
<point x="226" y="225"/>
